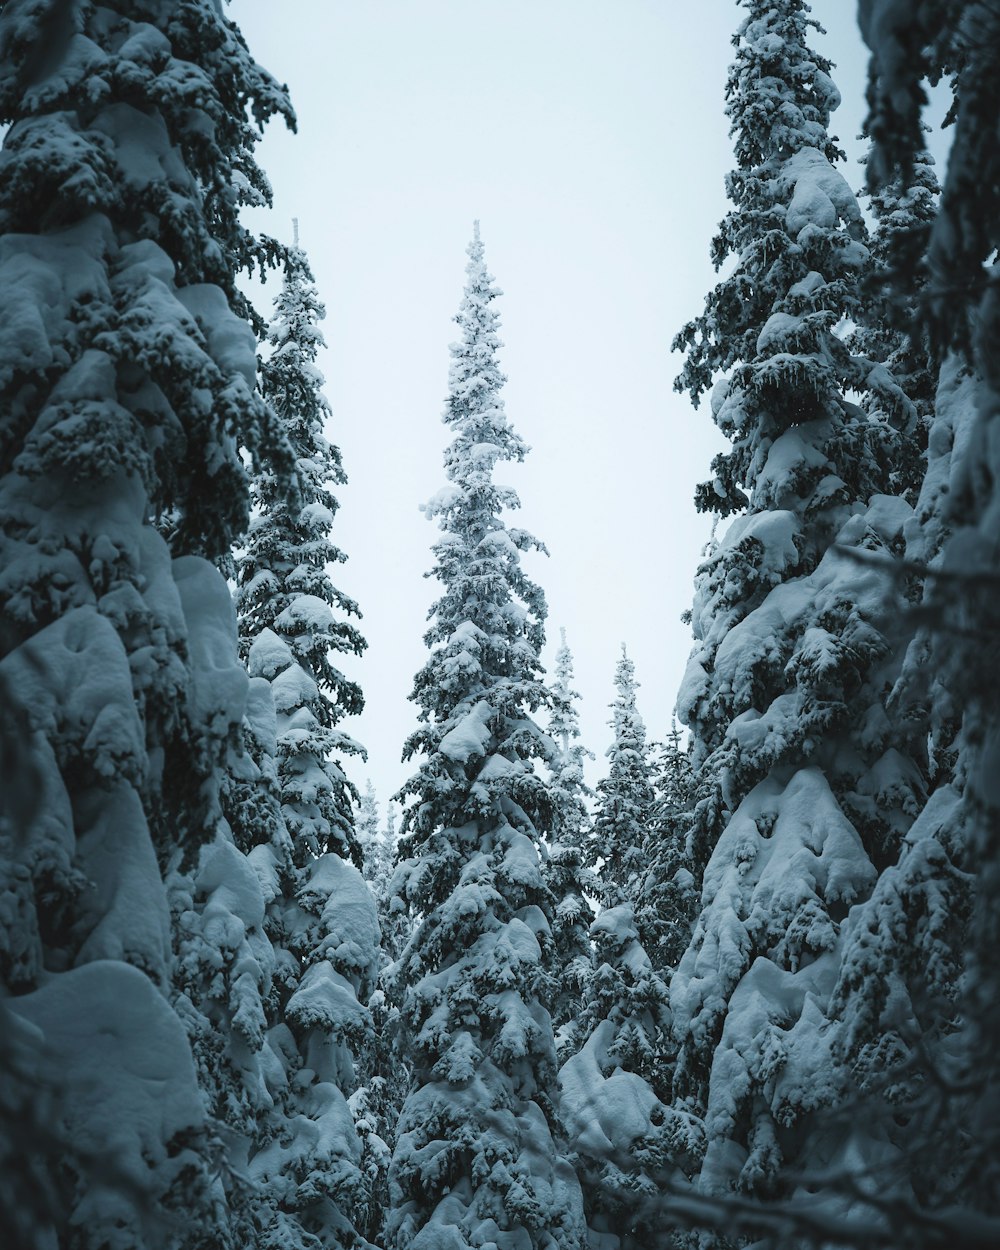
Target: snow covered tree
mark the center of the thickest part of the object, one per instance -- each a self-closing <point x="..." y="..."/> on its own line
<point x="476" y="1163"/>
<point x="366" y="829"/>
<point x="127" y="374"/>
<point x="566" y="876"/>
<point x="616" y="1088"/>
<point x="273" y="962"/>
<point x="667" y="900"/>
<point x="810" y="785"/>
<point x="284" y="585"/>
<point x="889" y="330"/>
<point x="277" y="936"/>
<point x="377" y="843"/>
<point x="916" y="1003"/>
<point x="625" y="797"/>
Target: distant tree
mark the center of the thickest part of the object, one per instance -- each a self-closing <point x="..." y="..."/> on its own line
<point x="284" y="585"/>
<point x="475" y="1160"/>
<point x="379" y="1100"/>
<point x="667" y="900"/>
<point x="809" y="786"/>
<point x="625" y="797"/>
<point x="127" y="374"/>
<point x="366" y="828"/>
<point x="629" y="1142"/>
<point x="566" y="875"/>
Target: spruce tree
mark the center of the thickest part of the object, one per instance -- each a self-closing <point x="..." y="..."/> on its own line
<point x="127" y="375"/>
<point x="568" y="879"/>
<point x="615" y="1089"/>
<point x="667" y="900"/>
<point x="476" y="1162"/>
<point x="889" y="332"/>
<point x="366" y="828"/>
<point x="917" y="998"/>
<point x="285" y="587"/>
<point x="310" y="1173"/>
<point x="625" y="797"/>
<point x="810" y="786"/>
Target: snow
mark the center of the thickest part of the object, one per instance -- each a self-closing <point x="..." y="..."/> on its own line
<point x="119" y="1056"/>
<point x="74" y="678"/>
<point x="231" y="341"/>
<point x="232" y="890"/>
<point x="219" y="681"/>
<point x="293" y="688"/>
<point x="349" y="920"/>
<point x="821" y="196"/>
<point x="326" y="1000"/>
<point x="304" y="614"/>
<point x="124" y="908"/>
<point x="470" y="736"/>
<point x="604" y="1108"/>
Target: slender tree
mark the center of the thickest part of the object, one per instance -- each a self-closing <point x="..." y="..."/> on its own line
<point x="625" y="797"/>
<point x="475" y="1161"/>
<point x="366" y="827"/>
<point x="629" y="1142"/>
<point x="311" y="927"/>
<point x="667" y="900"/>
<point x="566" y="875"/>
<point x="285" y="587"/>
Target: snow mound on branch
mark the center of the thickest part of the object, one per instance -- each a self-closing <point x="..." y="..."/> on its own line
<point x="128" y="1095"/>
<point x="470" y="735"/>
<point x="821" y="196"/>
<point x="219" y="681"/>
<point x="604" y="1109"/>
<point x="268" y="655"/>
<point x="349" y="919"/>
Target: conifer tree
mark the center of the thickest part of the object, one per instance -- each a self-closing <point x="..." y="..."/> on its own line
<point x="667" y="900"/>
<point x="615" y="1089"/>
<point x="565" y="873"/>
<point x="127" y="390"/>
<point x="810" y="786"/>
<point x="378" y="1101"/>
<point x="917" y="997"/>
<point x="366" y="828"/>
<point x="312" y="922"/>
<point x="889" y="332"/>
<point x="285" y="588"/>
<point x="625" y="797"/>
<point x="476" y="1162"/>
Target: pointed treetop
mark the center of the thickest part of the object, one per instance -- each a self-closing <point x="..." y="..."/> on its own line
<point x="295" y="232"/>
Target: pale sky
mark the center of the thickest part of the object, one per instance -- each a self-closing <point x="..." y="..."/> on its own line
<point x="588" y="136"/>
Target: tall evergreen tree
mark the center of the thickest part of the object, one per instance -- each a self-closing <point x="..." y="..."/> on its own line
<point x="475" y="1162"/>
<point x="127" y="376"/>
<point x="920" y="980"/>
<point x="285" y="588"/>
<point x="810" y="785"/>
<point x="314" y="926"/>
<point x="568" y="879"/>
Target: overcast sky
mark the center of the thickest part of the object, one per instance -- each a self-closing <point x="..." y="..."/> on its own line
<point x="588" y="136"/>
